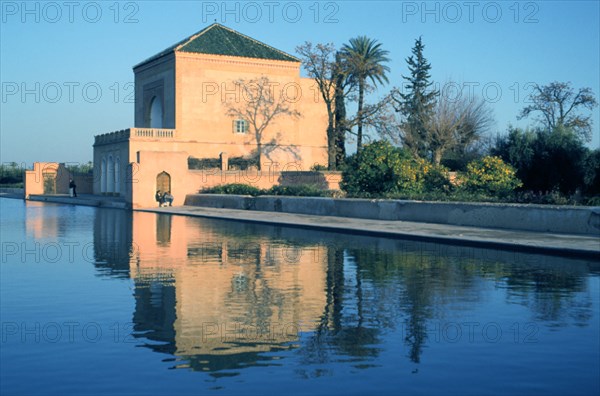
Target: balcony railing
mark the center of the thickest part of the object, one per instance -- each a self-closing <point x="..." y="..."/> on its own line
<point x="135" y="133"/>
<point x="153" y="133"/>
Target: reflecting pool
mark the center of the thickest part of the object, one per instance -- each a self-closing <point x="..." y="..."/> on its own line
<point x="97" y="301"/>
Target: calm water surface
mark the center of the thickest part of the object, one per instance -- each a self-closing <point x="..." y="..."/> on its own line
<point x="101" y="301"/>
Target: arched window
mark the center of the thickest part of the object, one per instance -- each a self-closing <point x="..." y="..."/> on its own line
<point x="110" y="180"/>
<point x="118" y="175"/>
<point x="156" y="113"/>
<point x="103" y="176"/>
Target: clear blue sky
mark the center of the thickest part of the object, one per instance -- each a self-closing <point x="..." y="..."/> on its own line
<point x="66" y="67"/>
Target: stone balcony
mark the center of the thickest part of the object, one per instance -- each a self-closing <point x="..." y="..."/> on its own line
<point x="135" y="134"/>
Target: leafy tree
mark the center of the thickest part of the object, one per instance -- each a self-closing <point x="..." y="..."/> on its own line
<point x="558" y="162"/>
<point x="342" y="82"/>
<point x="364" y="59"/>
<point x="11" y="173"/>
<point x="417" y="104"/>
<point x="261" y="106"/>
<point x="592" y="173"/>
<point x="559" y="106"/>
<point x="545" y="160"/>
<point x="518" y="149"/>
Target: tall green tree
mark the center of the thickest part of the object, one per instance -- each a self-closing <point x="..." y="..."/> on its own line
<point x="365" y="61"/>
<point x="342" y="83"/>
<point x="545" y="160"/>
<point x="417" y="103"/>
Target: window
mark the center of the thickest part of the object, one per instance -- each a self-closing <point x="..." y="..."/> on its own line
<point x="240" y="126"/>
<point x="156" y="113"/>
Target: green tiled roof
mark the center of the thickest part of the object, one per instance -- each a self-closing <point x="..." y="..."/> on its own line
<point x="217" y="39"/>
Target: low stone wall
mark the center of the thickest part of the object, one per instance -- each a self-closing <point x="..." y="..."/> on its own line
<point x="538" y="218"/>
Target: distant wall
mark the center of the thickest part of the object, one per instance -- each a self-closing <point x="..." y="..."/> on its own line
<point x="53" y="178"/>
<point x="539" y="218"/>
<point x="84" y="183"/>
<point x="46" y="178"/>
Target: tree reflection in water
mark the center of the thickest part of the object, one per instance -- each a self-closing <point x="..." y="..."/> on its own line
<point x="217" y="296"/>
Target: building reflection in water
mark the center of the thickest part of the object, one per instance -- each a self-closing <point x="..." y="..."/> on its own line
<point x="113" y="243"/>
<point x="220" y="301"/>
<point x="221" y="295"/>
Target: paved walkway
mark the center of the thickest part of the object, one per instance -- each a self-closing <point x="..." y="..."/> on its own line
<point x="560" y="244"/>
<point x="547" y="243"/>
<point x="83" y="199"/>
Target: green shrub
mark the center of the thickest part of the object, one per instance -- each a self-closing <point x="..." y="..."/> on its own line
<point x="306" y="190"/>
<point x="203" y="163"/>
<point x="593" y="201"/>
<point x="490" y="175"/>
<point x="243" y="163"/>
<point x="376" y="170"/>
<point x="384" y="169"/>
<point x="318" y="167"/>
<point x="436" y="178"/>
<point x="234" y="189"/>
<point x="592" y="173"/>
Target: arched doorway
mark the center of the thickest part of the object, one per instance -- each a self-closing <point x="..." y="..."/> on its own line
<point x="156" y="113"/>
<point x="163" y="182"/>
<point x="49" y="181"/>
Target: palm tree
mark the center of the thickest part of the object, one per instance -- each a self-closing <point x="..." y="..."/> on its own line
<point x="364" y="59"/>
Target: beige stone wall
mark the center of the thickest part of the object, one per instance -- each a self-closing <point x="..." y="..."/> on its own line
<point x="197" y="87"/>
<point x="205" y="84"/>
<point x="194" y="90"/>
<point x="119" y="153"/>
<point x="141" y="184"/>
<point x="156" y="78"/>
<point x="34" y="179"/>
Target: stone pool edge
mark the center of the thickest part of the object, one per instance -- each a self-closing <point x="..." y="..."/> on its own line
<point x="521" y="241"/>
<point x="518" y="240"/>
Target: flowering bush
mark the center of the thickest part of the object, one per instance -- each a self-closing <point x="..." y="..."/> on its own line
<point x="490" y="175"/>
<point x="382" y="168"/>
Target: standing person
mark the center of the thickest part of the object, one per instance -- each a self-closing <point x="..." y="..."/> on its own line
<point x="72" y="188"/>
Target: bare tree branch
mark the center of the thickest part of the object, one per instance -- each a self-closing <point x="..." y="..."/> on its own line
<point x="259" y="106"/>
<point x="558" y="104"/>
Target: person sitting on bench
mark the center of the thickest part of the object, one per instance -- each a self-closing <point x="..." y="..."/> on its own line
<point x="167" y="198"/>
